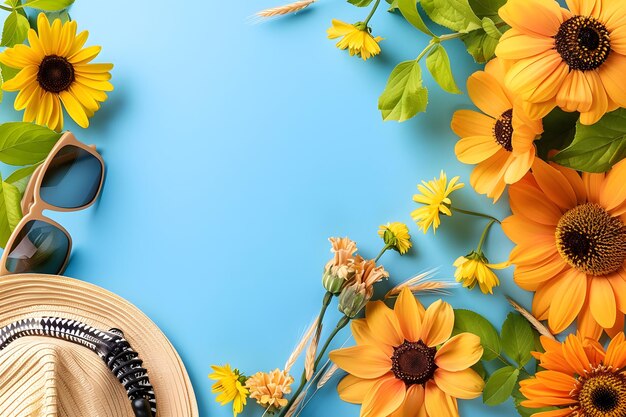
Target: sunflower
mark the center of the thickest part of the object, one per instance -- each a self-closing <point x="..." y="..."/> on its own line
<point x="435" y="195"/>
<point x="574" y="58"/>
<point x="406" y="364"/>
<point x="571" y="245"/>
<point x="580" y="378"/>
<point x="474" y="269"/>
<point x="500" y="141"/>
<point x="397" y="236"/>
<point x="230" y="386"/>
<point x="356" y="38"/>
<point x="55" y="69"/>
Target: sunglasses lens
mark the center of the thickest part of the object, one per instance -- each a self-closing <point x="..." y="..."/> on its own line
<point x="40" y="248"/>
<point x="72" y="179"/>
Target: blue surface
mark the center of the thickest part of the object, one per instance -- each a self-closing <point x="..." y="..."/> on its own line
<point x="234" y="151"/>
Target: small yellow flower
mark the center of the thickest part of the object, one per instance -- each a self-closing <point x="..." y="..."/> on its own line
<point x="397" y="236"/>
<point x="434" y="195"/>
<point x="473" y="269"/>
<point x="356" y="38"/>
<point x="269" y="389"/>
<point x="230" y="386"/>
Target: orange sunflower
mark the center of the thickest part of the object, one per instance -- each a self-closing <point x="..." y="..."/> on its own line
<point x="406" y="364"/>
<point x="580" y="378"/>
<point x="500" y="141"/>
<point x="571" y="245"/>
<point x="574" y="58"/>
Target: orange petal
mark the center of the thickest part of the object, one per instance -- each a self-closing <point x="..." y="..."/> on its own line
<point x="518" y="229"/>
<point x="619" y="289"/>
<point x="353" y="390"/>
<point x="526" y="75"/>
<point x="554" y="185"/>
<point x="471" y="123"/>
<point x="515" y="44"/>
<point x="544" y="295"/>
<point x="575" y="181"/>
<point x="587" y="326"/>
<point x="438" y="323"/>
<point x="383" y="324"/>
<point x="534" y="17"/>
<point x="584" y="7"/>
<point x="575" y="355"/>
<point x="532" y="203"/>
<point x="531" y="277"/>
<point x="362" y="361"/>
<point x="613" y="194"/>
<point x="593" y="185"/>
<point x="459" y="353"/>
<point x="409" y="315"/>
<point x="384" y="398"/>
<point x="438" y="403"/>
<point x="476" y="149"/>
<point x="487" y="94"/>
<point x="602" y="302"/>
<point x="612" y="75"/>
<point x="519" y="166"/>
<point x="616" y="352"/>
<point x="413" y="405"/>
<point x="600" y="101"/>
<point x="617" y="328"/>
<point x="466" y="384"/>
<point x="363" y="336"/>
<point x="571" y="291"/>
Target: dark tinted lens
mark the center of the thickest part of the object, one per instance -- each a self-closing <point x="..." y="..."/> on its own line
<point x="39" y="248"/>
<point x="72" y="179"/>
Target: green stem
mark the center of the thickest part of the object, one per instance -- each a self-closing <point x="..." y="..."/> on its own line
<point x="506" y="361"/>
<point x="382" y="252"/>
<point x="369" y="16"/>
<point x="425" y="51"/>
<point x="8" y="9"/>
<point x="473" y="213"/>
<point x="484" y="236"/>
<point x="457" y="35"/>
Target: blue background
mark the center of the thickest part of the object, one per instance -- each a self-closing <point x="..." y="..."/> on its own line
<point x="234" y="150"/>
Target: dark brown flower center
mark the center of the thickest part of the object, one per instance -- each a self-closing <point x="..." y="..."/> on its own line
<point x="55" y="74"/>
<point x="414" y="362"/>
<point x="503" y="130"/>
<point x="590" y="240"/>
<point x="583" y="42"/>
<point x="602" y="393"/>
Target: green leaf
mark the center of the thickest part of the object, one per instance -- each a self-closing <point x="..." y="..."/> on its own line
<point x="20" y="177"/>
<point x="393" y="5"/>
<point x="518" y="338"/>
<point x="49" y="5"/>
<point x="500" y="385"/>
<point x="438" y="64"/>
<point x="25" y="143"/>
<point x="404" y="94"/>
<point x="453" y="14"/>
<point x="559" y="128"/>
<point x="480" y="45"/>
<point x="10" y="211"/>
<point x="598" y="147"/>
<point x="484" y="8"/>
<point x="15" y="29"/>
<point x="468" y="321"/>
<point x="360" y="3"/>
<point x="8" y="72"/>
<point x="408" y="8"/>
<point x="490" y="28"/>
<point x="479" y="368"/>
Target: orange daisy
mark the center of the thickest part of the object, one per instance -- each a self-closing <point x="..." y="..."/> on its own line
<point x="571" y="245"/>
<point x="500" y="141"/>
<point x="406" y="364"/>
<point x="580" y="378"/>
<point x="574" y="58"/>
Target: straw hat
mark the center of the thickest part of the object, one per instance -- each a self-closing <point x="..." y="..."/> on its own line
<point x="44" y="377"/>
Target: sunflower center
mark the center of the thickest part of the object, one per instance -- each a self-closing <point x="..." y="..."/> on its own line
<point x="583" y="42"/>
<point x="590" y="240"/>
<point x="503" y="130"/>
<point x="414" y="362"/>
<point x="55" y="74"/>
<point x="602" y="394"/>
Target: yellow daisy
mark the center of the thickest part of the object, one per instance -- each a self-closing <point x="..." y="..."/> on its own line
<point x="435" y="197"/>
<point x="55" y="69"/>
<point x="356" y="38"/>
<point x="474" y="269"/>
<point x="230" y="386"/>
<point x="406" y="361"/>
<point x="397" y="236"/>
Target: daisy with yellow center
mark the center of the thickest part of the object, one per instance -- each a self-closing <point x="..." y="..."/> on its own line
<point x="499" y="140"/>
<point x="435" y="196"/>
<point x="580" y="378"/>
<point x="355" y="38"/>
<point x="55" y="72"/>
<point x="571" y="246"/>
<point x="406" y="363"/>
<point x="269" y="389"/>
<point x="230" y="387"/>
<point x="574" y="58"/>
<point x="396" y="236"/>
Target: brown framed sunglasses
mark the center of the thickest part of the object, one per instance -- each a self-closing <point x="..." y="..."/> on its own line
<point x="69" y="179"/>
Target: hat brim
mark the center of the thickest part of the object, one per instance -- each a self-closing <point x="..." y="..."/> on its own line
<point x="32" y="295"/>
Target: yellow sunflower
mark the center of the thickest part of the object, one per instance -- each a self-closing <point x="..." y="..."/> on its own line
<point x="55" y="69"/>
<point x="574" y="58"/>
<point x="406" y="364"/>
<point x="500" y="141"/>
<point x="571" y="245"/>
<point x="230" y="387"/>
<point x="356" y="38"/>
<point x="397" y="236"/>
<point x="474" y="269"/>
<point x="435" y="196"/>
<point x="580" y="378"/>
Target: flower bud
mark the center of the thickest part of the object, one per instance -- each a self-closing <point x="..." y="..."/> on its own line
<point x="353" y="299"/>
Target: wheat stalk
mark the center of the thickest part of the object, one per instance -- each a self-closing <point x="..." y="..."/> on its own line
<point x="300" y="346"/>
<point x="422" y="283"/>
<point x="311" y="353"/>
<point x="296" y="404"/>
<point x="543" y="330"/>
<point x="327" y="375"/>
<point x="286" y="9"/>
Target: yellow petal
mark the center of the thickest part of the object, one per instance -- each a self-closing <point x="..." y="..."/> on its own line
<point x="409" y="315"/>
<point x="466" y="384"/>
<point x="74" y="109"/>
<point x="476" y="149"/>
<point x="362" y="361"/>
<point x="383" y="324"/>
<point x="384" y="398"/>
<point x="572" y="290"/>
<point x="459" y="353"/>
<point x="438" y="323"/>
<point x="602" y="302"/>
<point x="353" y="390"/>
<point x="487" y="94"/>
<point x="438" y="403"/>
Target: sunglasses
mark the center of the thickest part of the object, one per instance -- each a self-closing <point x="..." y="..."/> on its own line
<point x="69" y="179"/>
